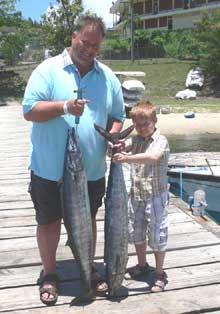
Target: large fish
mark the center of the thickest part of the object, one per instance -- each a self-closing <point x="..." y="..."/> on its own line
<point x="76" y="212"/>
<point x="116" y="219"/>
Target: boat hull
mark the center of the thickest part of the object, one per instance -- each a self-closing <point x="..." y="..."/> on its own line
<point x="184" y="184"/>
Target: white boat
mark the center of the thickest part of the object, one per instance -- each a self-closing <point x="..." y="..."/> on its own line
<point x="133" y="89"/>
<point x="184" y="181"/>
<point x="195" y="78"/>
<point x="130" y="73"/>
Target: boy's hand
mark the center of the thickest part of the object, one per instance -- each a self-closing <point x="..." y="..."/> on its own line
<point x="119" y="158"/>
<point x="120" y="146"/>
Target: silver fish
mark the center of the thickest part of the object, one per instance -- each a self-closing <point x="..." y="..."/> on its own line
<point x="116" y="219"/>
<point x="76" y="213"/>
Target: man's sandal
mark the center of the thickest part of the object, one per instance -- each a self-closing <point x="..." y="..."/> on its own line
<point x="52" y="292"/>
<point x="159" y="283"/>
<point x="98" y="282"/>
<point x="137" y="271"/>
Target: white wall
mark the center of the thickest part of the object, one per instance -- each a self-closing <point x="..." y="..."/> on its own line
<point x="186" y="21"/>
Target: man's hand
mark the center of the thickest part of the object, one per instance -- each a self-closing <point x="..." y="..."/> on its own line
<point x="76" y="106"/>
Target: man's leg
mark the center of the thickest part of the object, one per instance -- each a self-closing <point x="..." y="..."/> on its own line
<point x="94" y="232"/>
<point x="45" y="195"/>
<point x="48" y="238"/>
<point x="96" y="193"/>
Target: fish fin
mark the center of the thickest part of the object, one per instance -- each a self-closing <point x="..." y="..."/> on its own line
<point x="103" y="132"/>
<point x="83" y="299"/>
<point x="126" y="132"/>
<point x="114" y="137"/>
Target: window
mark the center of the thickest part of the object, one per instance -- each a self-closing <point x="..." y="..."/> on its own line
<point x="170" y="22"/>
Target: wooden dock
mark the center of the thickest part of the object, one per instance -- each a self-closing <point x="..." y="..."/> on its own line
<point x="195" y="159"/>
<point x="192" y="262"/>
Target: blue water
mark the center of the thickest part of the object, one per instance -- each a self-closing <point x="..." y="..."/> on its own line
<point x="197" y="143"/>
<point x="187" y="189"/>
<point x="194" y="143"/>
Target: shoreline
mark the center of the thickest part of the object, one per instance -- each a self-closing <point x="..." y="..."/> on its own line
<point x="176" y="123"/>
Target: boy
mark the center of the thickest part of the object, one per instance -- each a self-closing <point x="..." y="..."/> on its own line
<point x="149" y="194"/>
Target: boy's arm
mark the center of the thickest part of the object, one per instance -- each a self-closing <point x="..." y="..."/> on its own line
<point x="141" y="158"/>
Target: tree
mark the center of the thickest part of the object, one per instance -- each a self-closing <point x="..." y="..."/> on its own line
<point x="58" y="24"/>
<point x="209" y="37"/>
<point x="6" y="7"/>
<point x="11" y="48"/>
<point x="11" y="39"/>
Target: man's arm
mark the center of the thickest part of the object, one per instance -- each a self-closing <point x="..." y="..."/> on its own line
<point x="47" y="110"/>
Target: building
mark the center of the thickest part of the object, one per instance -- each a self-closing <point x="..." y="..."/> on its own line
<point x="160" y="14"/>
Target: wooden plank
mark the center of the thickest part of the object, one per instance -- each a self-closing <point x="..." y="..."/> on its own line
<point x="12" y="220"/>
<point x="182" y="272"/>
<point x="173" y="301"/>
<point x="22" y="232"/>
<point x="16" y="204"/>
<point x="20" y="196"/>
<point x="18" y="257"/>
<point x="192" y="262"/>
<point x="16" y="221"/>
<point x="9" y="213"/>
<point x="30" y="231"/>
<point x="183" y="240"/>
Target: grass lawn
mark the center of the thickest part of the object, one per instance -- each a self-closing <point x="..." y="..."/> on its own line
<point x="164" y="78"/>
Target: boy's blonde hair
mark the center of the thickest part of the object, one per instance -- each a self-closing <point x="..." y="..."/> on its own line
<point x="144" y="109"/>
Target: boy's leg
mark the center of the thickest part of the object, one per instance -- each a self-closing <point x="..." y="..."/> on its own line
<point x="158" y="236"/>
<point x="141" y="250"/>
<point x="160" y="279"/>
<point x="142" y="267"/>
<point x="159" y="259"/>
<point x="137" y="235"/>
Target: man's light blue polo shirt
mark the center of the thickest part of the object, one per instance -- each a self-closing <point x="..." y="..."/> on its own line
<point x="56" y="79"/>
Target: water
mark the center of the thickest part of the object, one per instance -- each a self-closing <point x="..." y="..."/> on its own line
<point x="187" y="188"/>
<point x="194" y="143"/>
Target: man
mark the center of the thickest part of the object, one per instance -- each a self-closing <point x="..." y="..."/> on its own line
<point x="50" y="104"/>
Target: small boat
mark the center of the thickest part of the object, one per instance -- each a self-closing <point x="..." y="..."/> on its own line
<point x="184" y="181"/>
<point x="166" y="109"/>
<point x="195" y="78"/>
<point x="133" y="89"/>
<point x="189" y="114"/>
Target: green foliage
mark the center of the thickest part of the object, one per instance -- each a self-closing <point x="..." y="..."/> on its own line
<point x="6" y="7"/>
<point x="141" y="37"/>
<point x="157" y="38"/>
<point x="11" y="47"/>
<point x="182" y="44"/>
<point x="59" y="25"/>
<point x="209" y="37"/>
<point x="12" y="84"/>
<point x="12" y="40"/>
<point x="113" y="48"/>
